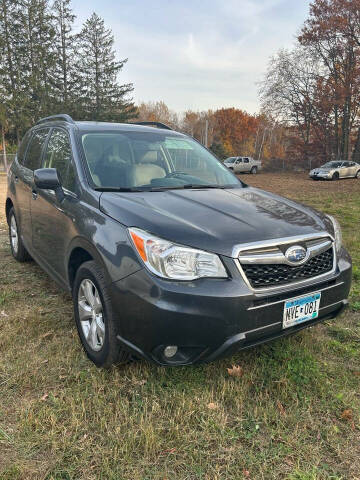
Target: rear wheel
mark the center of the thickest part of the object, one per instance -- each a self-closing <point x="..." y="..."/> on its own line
<point x="357" y="174"/>
<point x="94" y="316"/>
<point x="18" y="249"/>
<point x="253" y="170"/>
<point x="335" y="176"/>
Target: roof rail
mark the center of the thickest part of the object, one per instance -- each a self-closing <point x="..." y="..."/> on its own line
<point x="61" y="116"/>
<point x="155" y="124"/>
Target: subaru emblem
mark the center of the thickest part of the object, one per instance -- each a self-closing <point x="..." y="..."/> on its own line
<point x="296" y="254"/>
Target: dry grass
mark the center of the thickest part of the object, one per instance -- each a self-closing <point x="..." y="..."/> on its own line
<point x="293" y="414"/>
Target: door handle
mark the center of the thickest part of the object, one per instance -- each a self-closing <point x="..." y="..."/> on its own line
<point x="34" y="194"/>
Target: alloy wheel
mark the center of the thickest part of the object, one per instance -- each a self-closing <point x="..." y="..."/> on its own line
<point x="91" y="315"/>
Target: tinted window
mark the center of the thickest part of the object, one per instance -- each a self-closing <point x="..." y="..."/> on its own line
<point x="246" y="160"/>
<point x="33" y="154"/>
<point x="58" y="155"/>
<point x="23" y="145"/>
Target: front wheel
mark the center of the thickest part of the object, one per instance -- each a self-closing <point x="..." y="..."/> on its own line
<point x="253" y="170"/>
<point x="18" y="249"/>
<point x="94" y="316"/>
<point x="335" y="176"/>
<point x="357" y="174"/>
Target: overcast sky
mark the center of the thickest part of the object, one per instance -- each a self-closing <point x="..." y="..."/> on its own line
<point x="194" y="53"/>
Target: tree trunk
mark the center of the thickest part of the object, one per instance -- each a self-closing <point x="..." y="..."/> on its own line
<point x="4" y="146"/>
<point x="356" y="152"/>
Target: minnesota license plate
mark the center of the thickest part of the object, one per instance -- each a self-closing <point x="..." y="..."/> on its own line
<point x="301" y="309"/>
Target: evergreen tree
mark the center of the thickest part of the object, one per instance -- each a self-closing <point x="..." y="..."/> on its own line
<point x="64" y="75"/>
<point x="102" y="96"/>
<point x="13" y="95"/>
<point x="38" y="54"/>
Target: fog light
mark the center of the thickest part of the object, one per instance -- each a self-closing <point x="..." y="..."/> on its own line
<point x="170" y="351"/>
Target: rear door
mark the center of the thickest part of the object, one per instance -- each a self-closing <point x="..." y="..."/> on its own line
<point x="247" y="164"/>
<point x="352" y="169"/>
<point x="53" y="221"/>
<point x="28" y="161"/>
<point x="344" y="169"/>
<point x="238" y="167"/>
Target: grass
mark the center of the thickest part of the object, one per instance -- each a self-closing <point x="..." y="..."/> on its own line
<point x="293" y="414"/>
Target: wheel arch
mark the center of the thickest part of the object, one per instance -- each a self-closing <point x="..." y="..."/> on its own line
<point x="81" y="251"/>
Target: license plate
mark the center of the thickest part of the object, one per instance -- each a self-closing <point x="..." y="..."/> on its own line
<point x="301" y="309"/>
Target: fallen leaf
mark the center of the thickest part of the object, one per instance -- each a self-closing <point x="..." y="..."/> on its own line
<point x="169" y="450"/>
<point x="44" y="397"/>
<point x="246" y="473"/>
<point x="280" y="407"/>
<point x="236" y="371"/>
<point x="347" y="414"/>
<point x="212" y="406"/>
<point x="3" y="314"/>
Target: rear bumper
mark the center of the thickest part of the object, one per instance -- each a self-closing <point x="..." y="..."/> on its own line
<point x="212" y="318"/>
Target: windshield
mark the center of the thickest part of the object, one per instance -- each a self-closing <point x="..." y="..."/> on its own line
<point x="150" y="161"/>
<point x="230" y="160"/>
<point x="333" y="164"/>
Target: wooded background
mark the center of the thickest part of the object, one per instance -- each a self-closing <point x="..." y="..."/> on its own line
<point x="309" y="95"/>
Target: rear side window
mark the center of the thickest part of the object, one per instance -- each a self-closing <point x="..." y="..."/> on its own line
<point x="58" y="155"/>
<point x="23" y="146"/>
<point x="33" y="154"/>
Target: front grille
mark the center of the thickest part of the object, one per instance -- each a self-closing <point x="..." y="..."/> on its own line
<point x="272" y="275"/>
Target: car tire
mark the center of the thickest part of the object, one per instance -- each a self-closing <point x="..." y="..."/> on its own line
<point x="94" y="317"/>
<point x="253" y="170"/>
<point x="357" y="174"/>
<point x="18" y="249"/>
<point x="335" y="176"/>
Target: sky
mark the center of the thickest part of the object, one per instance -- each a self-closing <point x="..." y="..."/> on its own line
<point x="197" y="54"/>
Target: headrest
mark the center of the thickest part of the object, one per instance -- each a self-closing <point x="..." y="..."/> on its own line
<point x="149" y="157"/>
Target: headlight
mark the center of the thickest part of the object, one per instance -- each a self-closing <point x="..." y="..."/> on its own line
<point x="173" y="261"/>
<point x="337" y="233"/>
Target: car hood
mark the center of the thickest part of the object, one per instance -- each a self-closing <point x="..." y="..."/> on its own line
<point x="213" y="219"/>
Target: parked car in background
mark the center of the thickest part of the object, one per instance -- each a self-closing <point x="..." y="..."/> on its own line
<point x="167" y="254"/>
<point x="336" y="169"/>
<point x="229" y="162"/>
<point x="243" y="164"/>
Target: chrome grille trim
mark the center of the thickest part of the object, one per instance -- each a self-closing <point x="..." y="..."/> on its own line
<point x="267" y="244"/>
<point x="279" y="258"/>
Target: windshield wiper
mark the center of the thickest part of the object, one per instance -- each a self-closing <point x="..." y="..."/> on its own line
<point x="185" y="186"/>
<point x="118" y="189"/>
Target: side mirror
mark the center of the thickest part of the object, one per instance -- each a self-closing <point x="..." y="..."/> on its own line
<point x="48" y="179"/>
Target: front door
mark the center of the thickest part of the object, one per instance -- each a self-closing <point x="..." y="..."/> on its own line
<point x="28" y="161"/>
<point x="52" y="220"/>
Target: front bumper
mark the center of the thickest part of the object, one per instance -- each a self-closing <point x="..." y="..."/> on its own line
<point x="320" y="176"/>
<point x="211" y="318"/>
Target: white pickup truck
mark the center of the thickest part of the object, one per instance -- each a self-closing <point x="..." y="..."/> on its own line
<point x="243" y="164"/>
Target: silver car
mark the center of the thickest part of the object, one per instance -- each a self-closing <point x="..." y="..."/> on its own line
<point x="335" y="170"/>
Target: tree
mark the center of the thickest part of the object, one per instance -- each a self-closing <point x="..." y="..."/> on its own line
<point x="102" y="97"/>
<point x="332" y="31"/>
<point x="64" y="75"/>
<point x="157" y="112"/>
<point x="233" y="127"/>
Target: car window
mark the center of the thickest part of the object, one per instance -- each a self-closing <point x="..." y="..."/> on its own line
<point x="58" y="155"/>
<point x="34" y="152"/>
<point x="23" y="146"/>
<point x="246" y="160"/>
<point x="149" y="160"/>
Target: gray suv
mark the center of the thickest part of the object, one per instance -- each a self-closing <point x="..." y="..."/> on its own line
<point x="167" y="254"/>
